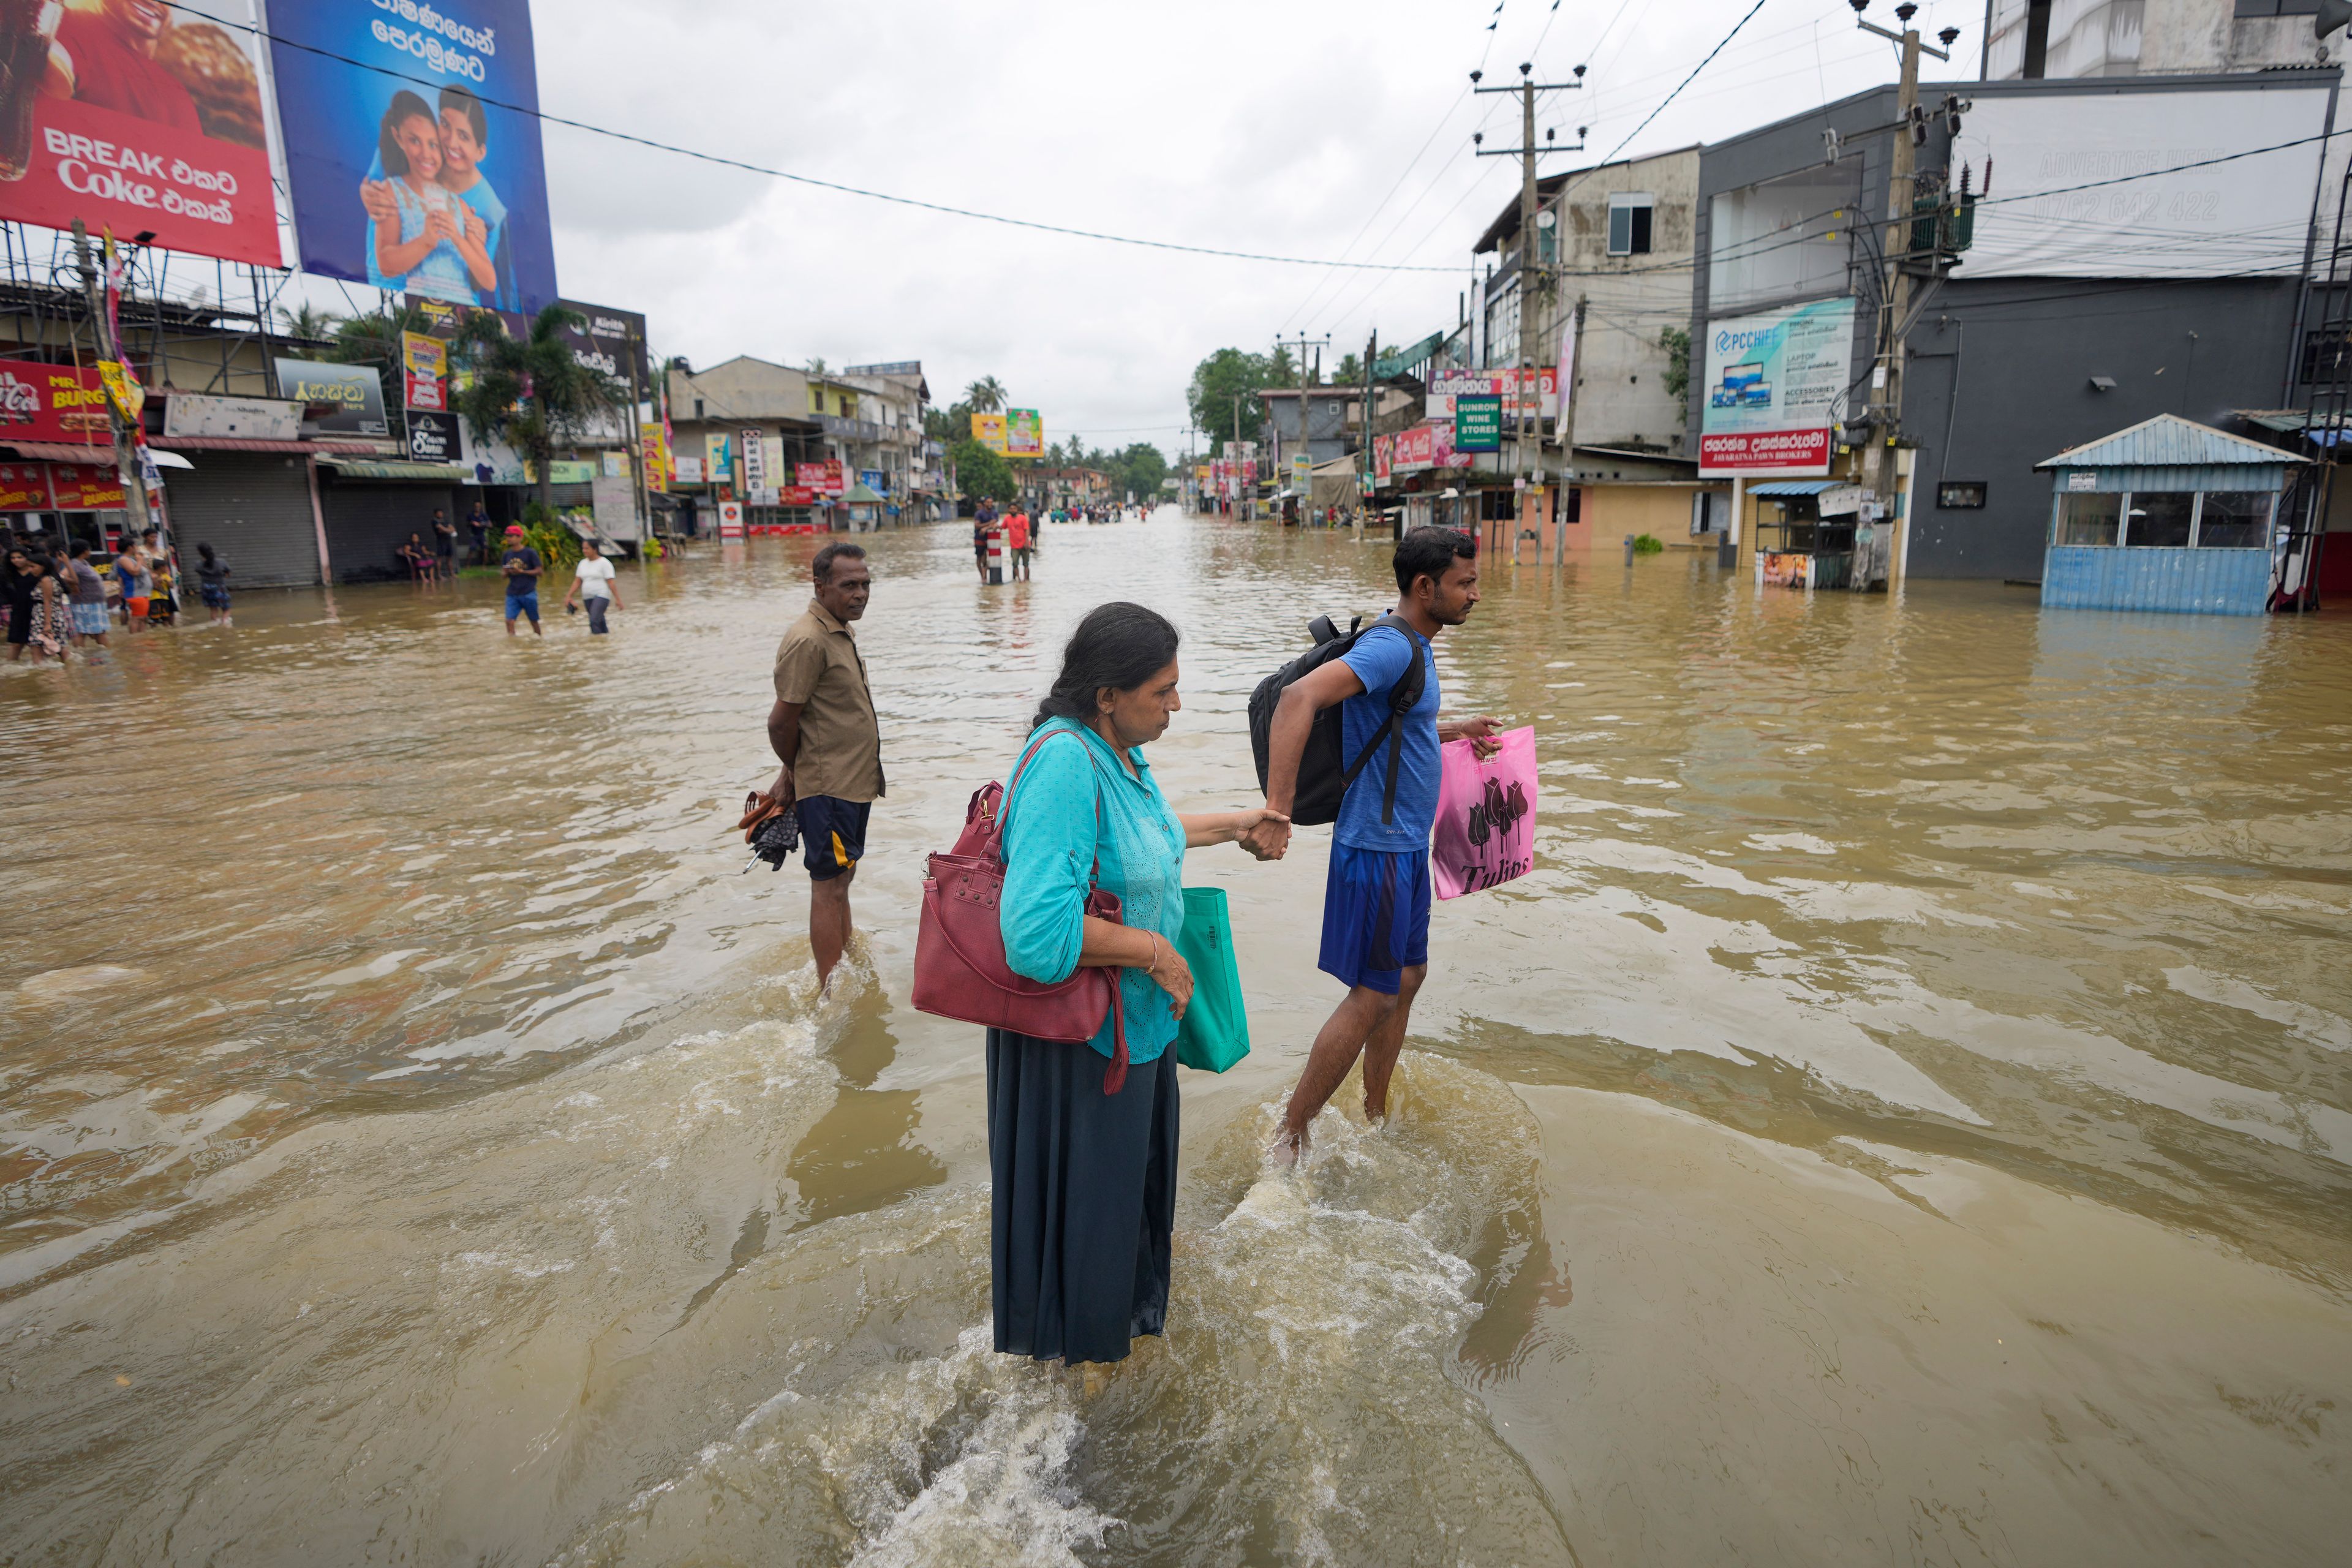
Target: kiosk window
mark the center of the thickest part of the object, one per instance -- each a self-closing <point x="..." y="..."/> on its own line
<point x="2090" y="518"/>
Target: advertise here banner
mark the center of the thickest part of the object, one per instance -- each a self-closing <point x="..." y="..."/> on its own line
<point x="160" y="130"/>
<point x="407" y="168"/>
<point x="1775" y="385"/>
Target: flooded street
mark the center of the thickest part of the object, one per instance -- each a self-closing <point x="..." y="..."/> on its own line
<point x="1904" y="1116"/>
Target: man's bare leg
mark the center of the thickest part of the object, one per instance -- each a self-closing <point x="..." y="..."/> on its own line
<point x="829" y="922"/>
<point x="1337" y="1045"/>
<point x="1388" y="1039"/>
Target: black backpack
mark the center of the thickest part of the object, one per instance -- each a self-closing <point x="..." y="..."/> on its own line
<point x="1323" y="777"/>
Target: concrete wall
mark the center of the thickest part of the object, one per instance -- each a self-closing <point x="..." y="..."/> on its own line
<point x="1612" y="511"/>
<point x="2023" y="350"/>
<point x="2022" y="353"/>
<point x="1622" y="394"/>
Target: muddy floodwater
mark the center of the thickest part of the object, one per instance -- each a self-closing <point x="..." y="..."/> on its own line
<point x="1904" y="1116"/>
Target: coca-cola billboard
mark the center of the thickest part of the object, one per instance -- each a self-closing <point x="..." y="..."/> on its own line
<point x="53" y="403"/>
<point x="138" y="117"/>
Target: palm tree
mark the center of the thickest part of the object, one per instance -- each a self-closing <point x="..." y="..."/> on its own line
<point x="986" y="396"/>
<point x="307" y="322"/>
<point x="532" y="391"/>
<point x="815" y="365"/>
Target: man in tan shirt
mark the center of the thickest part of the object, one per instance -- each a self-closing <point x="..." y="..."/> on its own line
<point x="824" y="732"/>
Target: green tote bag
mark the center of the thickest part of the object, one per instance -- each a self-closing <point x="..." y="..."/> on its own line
<point x="1214" y="1033"/>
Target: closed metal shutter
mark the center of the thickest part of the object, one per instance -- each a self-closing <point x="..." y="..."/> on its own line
<point x="253" y="508"/>
<point x="368" y="521"/>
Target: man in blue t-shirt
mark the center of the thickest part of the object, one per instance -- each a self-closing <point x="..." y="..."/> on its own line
<point x="1376" y="900"/>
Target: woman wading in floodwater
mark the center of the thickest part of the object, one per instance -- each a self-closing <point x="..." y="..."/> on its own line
<point x="1084" y="1163"/>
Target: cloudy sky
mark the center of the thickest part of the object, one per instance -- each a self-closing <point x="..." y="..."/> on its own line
<point x="1315" y="128"/>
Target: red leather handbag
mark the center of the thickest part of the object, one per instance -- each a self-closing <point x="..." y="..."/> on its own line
<point x="960" y="967"/>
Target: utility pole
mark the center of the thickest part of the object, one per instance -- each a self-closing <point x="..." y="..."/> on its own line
<point x="1526" y="422"/>
<point x="126" y="453"/>
<point x="1894" y="297"/>
<point x="1566" y="428"/>
<point x="1306" y="438"/>
<point x="1368" y="486"/>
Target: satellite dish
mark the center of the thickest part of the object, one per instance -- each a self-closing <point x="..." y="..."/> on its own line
<point x="2331" y="16"/>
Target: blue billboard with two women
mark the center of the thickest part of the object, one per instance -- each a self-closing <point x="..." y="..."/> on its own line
<point x="412" y="146"/>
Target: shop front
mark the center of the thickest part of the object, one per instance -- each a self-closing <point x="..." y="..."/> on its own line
<point x="1805" y="531"/>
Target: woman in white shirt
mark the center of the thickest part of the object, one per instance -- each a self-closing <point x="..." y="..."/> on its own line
<point x="592" y="581"/>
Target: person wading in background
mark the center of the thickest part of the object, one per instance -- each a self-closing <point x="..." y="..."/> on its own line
<point x="592" y="582"/>
<point x="522" y="566"/>
<point x="825" y="734"/>
<point x="1376" y="895"/>
<point x="212" y="581"/>
<point x="88" y="597"/>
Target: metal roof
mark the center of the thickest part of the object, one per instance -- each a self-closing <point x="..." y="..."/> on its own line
<point x="2168" y="441"/>
<point x="1794" y="486"/>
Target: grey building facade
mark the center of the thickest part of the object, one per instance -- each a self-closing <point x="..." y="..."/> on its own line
<point x="2002" y="372"/>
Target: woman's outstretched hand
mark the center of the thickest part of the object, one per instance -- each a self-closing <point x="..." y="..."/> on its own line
<point x="1173" y="974"/>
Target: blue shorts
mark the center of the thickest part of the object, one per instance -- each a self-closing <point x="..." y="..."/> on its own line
<point x="1375" y="917"/>
<point x="833" y="834"/>
<point x="524" y="604"/>
<point x="216" y="595"/>
<point x="89" y="620"/>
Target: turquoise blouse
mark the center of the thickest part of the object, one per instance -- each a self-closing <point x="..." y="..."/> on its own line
<point x="1052" y="843"/>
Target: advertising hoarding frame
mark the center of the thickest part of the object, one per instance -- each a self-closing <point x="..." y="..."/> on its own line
<point x="339" y="70"/>
<point x="1775" y="384"/>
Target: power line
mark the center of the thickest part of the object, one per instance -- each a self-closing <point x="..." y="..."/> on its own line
<point x="811" y="180"/>
<point x="1661" y="109"/>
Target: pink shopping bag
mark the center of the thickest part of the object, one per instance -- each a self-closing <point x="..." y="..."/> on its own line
<point x="1486" y="832"/>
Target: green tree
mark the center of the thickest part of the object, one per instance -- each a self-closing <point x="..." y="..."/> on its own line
<point x="981" y="473"/>
<point x="531" y="392"/>
<point x="815" y="366"/>
<point x="1351" y="372"/>
<point x="306" y="322"/>
<point x="1140" y="468"/>
<point x="1217" y="380"/>
<point x="1676" y="342"/>
<point x="985" y="395"/>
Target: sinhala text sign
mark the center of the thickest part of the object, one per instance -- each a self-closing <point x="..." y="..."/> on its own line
<point x="138" y="118"/>
<point x="408" y="172"/>
<point x="1775" y="384"/>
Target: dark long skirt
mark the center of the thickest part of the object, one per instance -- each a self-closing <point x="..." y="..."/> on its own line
<point x="1082" y="1198"/>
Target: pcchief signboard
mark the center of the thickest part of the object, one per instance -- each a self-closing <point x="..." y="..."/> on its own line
<point x="137" y="117"/>
<point x="1775" y="385"/>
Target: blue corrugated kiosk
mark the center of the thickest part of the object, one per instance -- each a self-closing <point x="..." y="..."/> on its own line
<point x="2166" y="515"/>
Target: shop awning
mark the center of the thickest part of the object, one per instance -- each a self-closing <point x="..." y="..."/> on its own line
<point x="859" y="495"/>
<point x="1794" y="486"/>
<point x="66" y="452"/>
<point x="371" y="468"/>
<point x="254" y="444"/>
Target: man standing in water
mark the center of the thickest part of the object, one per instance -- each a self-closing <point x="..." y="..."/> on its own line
<point x="1375" y="898"/>
<point x="825" y="734"/>
<point x="521" y="566"/>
